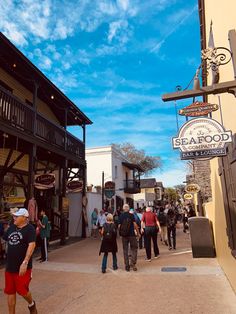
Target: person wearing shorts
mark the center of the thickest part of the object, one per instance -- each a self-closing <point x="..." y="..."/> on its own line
<point x="20" y="237"/>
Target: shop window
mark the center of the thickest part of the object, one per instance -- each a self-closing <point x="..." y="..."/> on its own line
<point x="227" y="172"/>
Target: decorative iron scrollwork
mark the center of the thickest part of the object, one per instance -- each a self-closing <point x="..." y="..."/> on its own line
<point x="216" y="57"/>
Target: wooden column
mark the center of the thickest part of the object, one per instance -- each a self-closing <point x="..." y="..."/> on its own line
<point x="33" y="148"/>
<point x="32" y="158"/>
<point x="63" y="195"/>
<point x="232" y="42"/>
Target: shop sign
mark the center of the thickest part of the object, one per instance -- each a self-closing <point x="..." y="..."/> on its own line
<point x="109" y="189"/>
<point x="197" y="109"/>
<point x="188" y="196"/>
<point x="15" y="201"/>
<point x="65" y="205"/>
<point x="44" y="181"/>
<point x="74" y="186"/>
<point x="202" y="138"/>
<point x="192" y="188"/>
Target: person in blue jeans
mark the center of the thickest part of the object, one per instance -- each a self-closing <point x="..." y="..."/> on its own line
<point x="109" y="243"/>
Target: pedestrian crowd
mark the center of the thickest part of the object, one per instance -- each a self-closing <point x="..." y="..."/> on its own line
<point x="138" y="229"/>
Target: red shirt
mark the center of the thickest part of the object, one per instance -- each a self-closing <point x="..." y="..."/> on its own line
<point x="150" y="219"/>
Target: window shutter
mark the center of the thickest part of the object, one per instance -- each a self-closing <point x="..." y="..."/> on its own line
<point x="227" y="173"/>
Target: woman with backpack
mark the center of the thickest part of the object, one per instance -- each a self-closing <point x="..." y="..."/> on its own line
<point x="109" y="243"/>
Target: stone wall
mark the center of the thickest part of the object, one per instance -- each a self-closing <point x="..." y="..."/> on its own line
<point x="200" y="174"/>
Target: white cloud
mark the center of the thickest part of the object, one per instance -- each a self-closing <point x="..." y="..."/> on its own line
<point x="113" y="29"/>
<point x="65" y="81"/>
<point x="107" y="7"/>
<point x="129" y="8"/>
<point x="124" y="4"/>
<point x="45" y="63"/>
<point x="11" y="31"/>
<point x="83" y="57"/>
<point x="44" y="20"/>
<point x="51" y="50"/>
<point x="62" y="29"/>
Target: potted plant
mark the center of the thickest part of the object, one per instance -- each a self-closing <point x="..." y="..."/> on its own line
<point x="98" y="188"/>
<point x="89" y="188"/>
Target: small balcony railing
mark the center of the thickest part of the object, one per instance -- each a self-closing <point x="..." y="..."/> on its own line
<point x="132" y="186"/>
<point x="20" y="116"/>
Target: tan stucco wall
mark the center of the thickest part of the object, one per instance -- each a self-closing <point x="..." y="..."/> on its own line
<point x="22" y="93"/>
<point x="222" y="16"/>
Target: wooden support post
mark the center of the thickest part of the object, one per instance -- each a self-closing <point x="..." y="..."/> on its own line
<point x="232" y="42"/>
<point x="63" y="194"/>
<point x="32" y="157"/>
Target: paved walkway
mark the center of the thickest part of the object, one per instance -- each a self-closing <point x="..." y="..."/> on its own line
<point x="71" y="282"/>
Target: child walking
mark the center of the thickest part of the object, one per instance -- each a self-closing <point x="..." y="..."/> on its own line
<point x="109" y="244"/>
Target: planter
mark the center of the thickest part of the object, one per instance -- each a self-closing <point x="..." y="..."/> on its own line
<point x="89" y="188"/>
<point x="98" y="189"/>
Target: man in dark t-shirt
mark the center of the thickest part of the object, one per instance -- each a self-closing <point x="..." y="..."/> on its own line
<point x="20" y="237"/>
<point x="129" y="239"/>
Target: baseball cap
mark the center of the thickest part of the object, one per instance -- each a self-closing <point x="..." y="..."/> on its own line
<point x="21" y="212"/>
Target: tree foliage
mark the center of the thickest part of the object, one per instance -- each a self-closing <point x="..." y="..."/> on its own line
<point x="139" y="157"/>
<point x="171" y="195"/>
<point x="180" y="188"/>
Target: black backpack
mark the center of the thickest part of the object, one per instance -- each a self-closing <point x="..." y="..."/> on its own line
<point x="109" y="231"/>
<point x="162" y="218"/>
<point x="125" y="227"/>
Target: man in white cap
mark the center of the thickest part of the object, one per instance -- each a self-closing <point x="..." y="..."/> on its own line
<point x="20" y="238"/>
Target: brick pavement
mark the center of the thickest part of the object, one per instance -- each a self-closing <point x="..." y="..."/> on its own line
<point x="71" y="282"/>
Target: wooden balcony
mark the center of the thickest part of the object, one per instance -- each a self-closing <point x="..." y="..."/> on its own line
<point x="132" y="186"/>
<point x="22" y="118"/>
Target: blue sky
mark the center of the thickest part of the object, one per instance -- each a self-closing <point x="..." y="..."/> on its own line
<point x="114" y="59"/>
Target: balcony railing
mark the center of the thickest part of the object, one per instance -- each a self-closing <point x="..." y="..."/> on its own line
<point x="20" y="116"/>
<point x="132" y="186"/>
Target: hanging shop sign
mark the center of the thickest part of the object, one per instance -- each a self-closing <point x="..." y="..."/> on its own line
<point x="188" y="196"/>
<point x="109" y="189"/>
<point x="192" y="188"/>
<point x="198" y="108"/>
<point x="74" y="186"/>
<point x="44" y="181"/>
<point x="202" y="138"/>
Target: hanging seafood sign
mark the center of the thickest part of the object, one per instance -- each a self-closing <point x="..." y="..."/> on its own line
<point x="197" y="109"/>
<point x="202" y="138"/>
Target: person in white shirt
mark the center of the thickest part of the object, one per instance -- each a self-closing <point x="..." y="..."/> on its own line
<point x="101" y="219"/>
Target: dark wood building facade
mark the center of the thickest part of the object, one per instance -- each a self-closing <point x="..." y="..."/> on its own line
<point x="34" y="116"/>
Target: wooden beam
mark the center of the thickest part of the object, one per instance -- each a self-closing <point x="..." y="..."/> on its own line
<point x="232" y="42"/>
<point x="225" y="87"/>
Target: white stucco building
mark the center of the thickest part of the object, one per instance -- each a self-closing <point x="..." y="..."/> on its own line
<point x="117" y="169"/>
